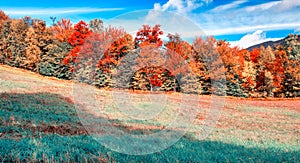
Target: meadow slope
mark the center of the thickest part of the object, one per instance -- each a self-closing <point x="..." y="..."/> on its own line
<point x="39" y="121"/>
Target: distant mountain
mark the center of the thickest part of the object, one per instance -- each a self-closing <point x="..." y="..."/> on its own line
<point x="273" y="44"/>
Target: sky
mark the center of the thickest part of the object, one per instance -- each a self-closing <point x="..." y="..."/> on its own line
<point x="241" y="22"/>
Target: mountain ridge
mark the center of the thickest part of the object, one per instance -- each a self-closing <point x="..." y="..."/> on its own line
<point x="273" y="44"/>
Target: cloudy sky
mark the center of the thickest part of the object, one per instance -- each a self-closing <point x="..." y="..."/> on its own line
<point x="242" y="22"/>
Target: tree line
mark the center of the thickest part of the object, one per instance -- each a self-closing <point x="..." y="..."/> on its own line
<point x="109" y="57"/>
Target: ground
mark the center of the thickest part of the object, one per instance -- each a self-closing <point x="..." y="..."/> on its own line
<point x="43" y="118"/>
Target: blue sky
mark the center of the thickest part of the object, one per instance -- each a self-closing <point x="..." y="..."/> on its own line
<point x="242" y="22"/>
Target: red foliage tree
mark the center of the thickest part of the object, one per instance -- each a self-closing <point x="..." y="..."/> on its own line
<point x="77" y="39"/>
<point x="270" y="71"/>
<point x="254" y="55"/>
<point x="277" y="69"/>
<point x="150" y="35"/>
<point x="107" y="48"/>
<point x="3" y="16"/>
<point x="147" y="38"/>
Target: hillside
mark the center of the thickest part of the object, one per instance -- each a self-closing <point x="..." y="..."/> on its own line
<point x="272" y="44"/>
<point x="41" y="120"/>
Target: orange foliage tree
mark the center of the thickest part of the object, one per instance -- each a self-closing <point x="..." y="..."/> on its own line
<point x="264" y="77"/>
<point x="210" y="63"/>
<point x="63" y="30"/>
<point x="150" y="61"/>
<point x="178" y="55"/>
<point x="118" y="44"/>
<point x="101" y="53"/>
<point x="233" y="61"/>
<point x="12" y="44"/>
<point x="248" y="74"/>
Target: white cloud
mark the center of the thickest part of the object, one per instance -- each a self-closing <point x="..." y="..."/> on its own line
<point x="245" y="29"/>
<point x="207" y="1"/>
<point x="268" y="16"/>
<point x="252" y="39"/>
<point x="171" y="4"/>
<point x="232" y="5"/>
<point x="263" y="6"/>
<point x="235" y="17"/>
<point x="176" y="23"/>
<point x="287" y="5"/>
<point x="278" y="6"/>
<point x="54" y="11"/>
<point x="181" y="6"/>
<point x="169" y="21"/>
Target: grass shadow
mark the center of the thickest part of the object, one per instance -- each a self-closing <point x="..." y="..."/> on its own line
<point x="45" y="127"/>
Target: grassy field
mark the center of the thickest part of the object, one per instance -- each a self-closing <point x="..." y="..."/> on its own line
<point x="39" y="121"/>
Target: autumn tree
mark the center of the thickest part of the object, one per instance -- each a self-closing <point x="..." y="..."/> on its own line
<point x="119" y="45"/>
<point x="96" y="25"/>
<point x="4" y="32"/>
<point x="207" y="55"/>
<point x="264" y="76"/>
<point x="292" y="47"/>
<point x="269" y="70"/>
<point x="63" y="30"/>
<point x="32" y="50"/>
<point x="13" y="45"/>
<point x="38" y="40"/>
<point x="254" y="55"/>
<point x="150" y="62"/>
<point x="233" y="61"/>
<point x="101" y="53"/>
<point x="248" y="74"/>
<point x="292" y="79"/>
<point x="76" y="40"/>
<point x="3" y="18"/>
<point x="150" y="58"/>
<point x="149" y="35"/>
<point x="292" y="66"/>
<point x="178" y="57"/>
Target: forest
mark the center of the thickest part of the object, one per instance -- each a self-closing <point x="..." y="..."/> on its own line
<point x="95" y="54"/>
